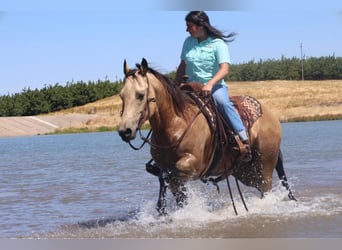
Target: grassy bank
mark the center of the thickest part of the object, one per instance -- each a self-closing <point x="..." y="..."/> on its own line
<point x="74" y="130"/>
<point x="290" y="101"/>
<point x="296" y="100"/>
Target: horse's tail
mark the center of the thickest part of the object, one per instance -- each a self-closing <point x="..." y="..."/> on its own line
<point x="282" y="175"/>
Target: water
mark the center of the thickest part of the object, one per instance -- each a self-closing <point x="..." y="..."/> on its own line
<point x="94" y="185"/>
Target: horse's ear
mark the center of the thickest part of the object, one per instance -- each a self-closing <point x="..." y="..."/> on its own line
<point x="143" y="66"/>
<point x="125" y="68"/>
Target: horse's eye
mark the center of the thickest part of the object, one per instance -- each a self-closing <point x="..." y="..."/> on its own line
<point x="140" y="96"/>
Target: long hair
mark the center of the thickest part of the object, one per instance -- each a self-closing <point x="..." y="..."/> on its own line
<point x="201" y="18"/>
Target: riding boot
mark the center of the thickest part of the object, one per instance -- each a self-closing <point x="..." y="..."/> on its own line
<point x="245" y="149"/>
<point x="245" y="153"/>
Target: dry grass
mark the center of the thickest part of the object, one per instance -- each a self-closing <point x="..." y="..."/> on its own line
<point x="289" y="101"/>
<point x="107" y="111"/>
<point x="108" y="106"/>
<point x="296" y="100"/>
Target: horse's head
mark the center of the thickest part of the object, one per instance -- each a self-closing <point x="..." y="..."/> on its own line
<point x="134" y="96"/>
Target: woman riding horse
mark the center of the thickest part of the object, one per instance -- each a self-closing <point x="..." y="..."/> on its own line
<point x="205" y="59"/>
<point x="182" y="143"/>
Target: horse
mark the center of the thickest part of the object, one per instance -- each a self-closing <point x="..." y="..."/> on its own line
<point x="183" y="145"/>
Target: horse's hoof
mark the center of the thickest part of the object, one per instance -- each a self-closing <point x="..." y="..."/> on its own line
<point x="291" y="197"/>
<point x="161" y="211"/>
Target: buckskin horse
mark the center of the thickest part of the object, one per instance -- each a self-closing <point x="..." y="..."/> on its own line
<point x="184" y="146"/>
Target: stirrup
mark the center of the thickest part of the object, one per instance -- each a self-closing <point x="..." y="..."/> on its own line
<point x="244" y="149"/>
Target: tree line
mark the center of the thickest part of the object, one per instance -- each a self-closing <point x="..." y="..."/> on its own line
<point x="56" y="97"/>
<point x="322" y="68"/>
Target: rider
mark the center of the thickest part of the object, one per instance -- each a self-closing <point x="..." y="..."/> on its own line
<point x="205" y="59"/>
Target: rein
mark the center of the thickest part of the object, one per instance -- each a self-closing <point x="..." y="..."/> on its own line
<point x="174" y="145"/>
<point x="143" y="117"/>
<point x="145" y="139"/>
<point x="221" y="136"/>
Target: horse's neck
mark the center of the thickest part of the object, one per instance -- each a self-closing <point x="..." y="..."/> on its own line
<point x="165" y="120"/>
<point x="164" y="112"/>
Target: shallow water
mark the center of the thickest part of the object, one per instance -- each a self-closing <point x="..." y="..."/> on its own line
<point x="94" y="185"/>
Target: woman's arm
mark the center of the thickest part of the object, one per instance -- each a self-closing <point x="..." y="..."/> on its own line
<point x="220" y="74"/>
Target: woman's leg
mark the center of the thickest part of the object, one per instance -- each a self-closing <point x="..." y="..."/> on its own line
<point x="221" y="98"/>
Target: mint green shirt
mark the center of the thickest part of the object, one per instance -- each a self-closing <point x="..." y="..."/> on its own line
<point x="202" y="59"/>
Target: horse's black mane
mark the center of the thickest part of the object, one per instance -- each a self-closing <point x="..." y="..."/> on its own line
<point x="179" y="97"/>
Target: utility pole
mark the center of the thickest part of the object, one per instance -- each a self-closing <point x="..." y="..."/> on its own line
<point x="302" y="59"/>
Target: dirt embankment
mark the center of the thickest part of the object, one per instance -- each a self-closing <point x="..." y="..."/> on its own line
<point x="289" y="100"/>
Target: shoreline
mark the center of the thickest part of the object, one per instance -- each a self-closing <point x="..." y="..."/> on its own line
<point x="146" y="126"/>
<point x="290" y="101"/>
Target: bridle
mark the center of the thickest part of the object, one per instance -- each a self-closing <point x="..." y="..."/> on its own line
<point x="145" y="115"/>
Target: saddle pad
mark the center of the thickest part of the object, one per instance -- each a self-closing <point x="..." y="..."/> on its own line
<point x="249" y="109"/>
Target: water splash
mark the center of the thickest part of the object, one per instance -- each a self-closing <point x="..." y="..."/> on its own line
<point x="209" y="214"/>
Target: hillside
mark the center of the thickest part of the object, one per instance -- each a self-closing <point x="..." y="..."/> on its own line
<point x="289" y="101"/>
<point x="296" y="100"/>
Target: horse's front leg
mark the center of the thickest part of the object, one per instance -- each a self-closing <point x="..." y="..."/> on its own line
<point x="179" y="190"/>
<point x="186" y="168"/>
<point x="164" y="180"/>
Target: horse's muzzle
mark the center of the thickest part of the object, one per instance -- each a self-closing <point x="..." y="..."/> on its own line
<point x="126" y="134"/>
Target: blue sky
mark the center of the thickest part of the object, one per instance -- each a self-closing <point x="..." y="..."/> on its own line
<point x="48" y="42"/>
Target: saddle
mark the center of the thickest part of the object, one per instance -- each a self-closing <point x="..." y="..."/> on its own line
<point x="247" y="107"/>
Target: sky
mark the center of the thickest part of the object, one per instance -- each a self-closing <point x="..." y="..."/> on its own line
<point x="49" y="42"/>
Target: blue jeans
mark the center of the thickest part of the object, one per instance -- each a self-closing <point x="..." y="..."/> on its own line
<point x="225" y="106"/>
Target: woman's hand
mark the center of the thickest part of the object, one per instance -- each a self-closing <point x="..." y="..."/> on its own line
<point x="221" y="74"/>
<point x="206" y="90"/>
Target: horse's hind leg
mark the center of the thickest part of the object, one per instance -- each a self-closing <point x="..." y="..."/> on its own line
<point x="267" y="164"/>
<point x="282" y="176"/>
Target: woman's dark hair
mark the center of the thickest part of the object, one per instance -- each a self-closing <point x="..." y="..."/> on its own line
<point x="201" y="18"/>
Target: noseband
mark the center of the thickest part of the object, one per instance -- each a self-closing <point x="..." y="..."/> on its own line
<point x="144" y="115"/>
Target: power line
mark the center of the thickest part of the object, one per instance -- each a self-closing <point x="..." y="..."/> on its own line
<point x="302" y="59"/>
